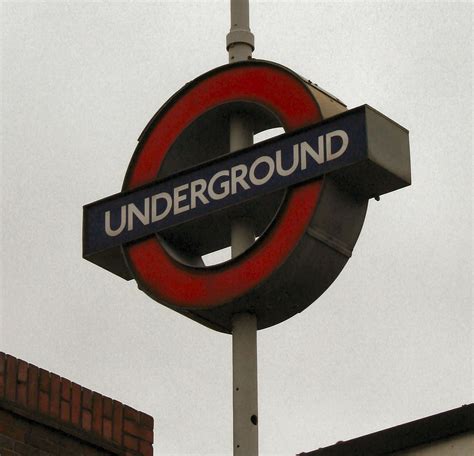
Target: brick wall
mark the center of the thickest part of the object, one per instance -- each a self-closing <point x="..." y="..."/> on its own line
<point x="44" y="414"/>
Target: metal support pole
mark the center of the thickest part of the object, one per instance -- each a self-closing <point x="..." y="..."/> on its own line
<point x="240" y="40"/>
<point x="242" y="235"/>
<point x="244" y="362"/>
<point x="240" y="44"/>
<point x="244" y="326"/>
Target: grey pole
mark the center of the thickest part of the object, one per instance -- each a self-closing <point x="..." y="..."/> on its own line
<point x="240" y="44"/>
<point x="240" y="40"/>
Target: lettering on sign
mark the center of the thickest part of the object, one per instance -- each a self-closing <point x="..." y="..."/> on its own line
<point x="239" y="178"/>
<point x="266" y="167"/>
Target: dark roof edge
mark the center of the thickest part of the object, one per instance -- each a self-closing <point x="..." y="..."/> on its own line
<point x="414" y="433"/>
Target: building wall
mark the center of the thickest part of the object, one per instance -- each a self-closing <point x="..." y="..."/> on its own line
<point x="459" y="445"/>
<point x="19" y="436"/>
<point x="44" y="414"/>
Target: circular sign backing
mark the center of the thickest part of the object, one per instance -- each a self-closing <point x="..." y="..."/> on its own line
<point x="297" y="256"/>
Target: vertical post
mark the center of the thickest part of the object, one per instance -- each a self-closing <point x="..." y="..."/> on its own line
<point x="240" y="44"/>
<point x="244" y="326"/>
<point x="244" y="367"/>
<point x="240" y="40"/>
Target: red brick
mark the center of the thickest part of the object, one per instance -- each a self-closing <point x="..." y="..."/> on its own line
<point x="23" y="449"/>
<point x="86" y="399"/>
<point x="44" y="380"/>
<point x="32" y="390"/>
<point x="146" y="435"/>
<point x="97" y="413"/>
<point x="146" y="449"/>
<point x="130" y="413"/>
<point x="43" y="402"/>
<point x="10" y="383"/>
<point x="42" y="432"/>
<point x="92" y="451"/>
<point x="6" y="443"/>
<point x="86" y="420"/>
<point x="43" y="439"/>
<point x="40" y="390"/>
<point x="117" y="422"/>
<point x="136" y="430"/>
<point x="75" y="404"/>
<point x="107" y="405"/>
<point x="130" y="442"/>
<point x="107" y="429"/>
<point x="22" y="371"/>
<point x="2" y="374"/>
<point x="21" y="394"/>
<point x="55" y="395"/>
<point x="65" y="413"/>
<point x="146" y="421"/>
<point x="66" y="389"/>
<point x="12" y="427"/>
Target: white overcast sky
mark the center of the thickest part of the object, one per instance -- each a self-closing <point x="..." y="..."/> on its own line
<point x="389" y="342"/>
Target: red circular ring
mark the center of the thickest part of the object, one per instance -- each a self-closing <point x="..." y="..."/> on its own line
<point x="173" y="283"/>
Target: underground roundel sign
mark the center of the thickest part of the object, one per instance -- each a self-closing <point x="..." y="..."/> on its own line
<point x="304" y="192"/>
